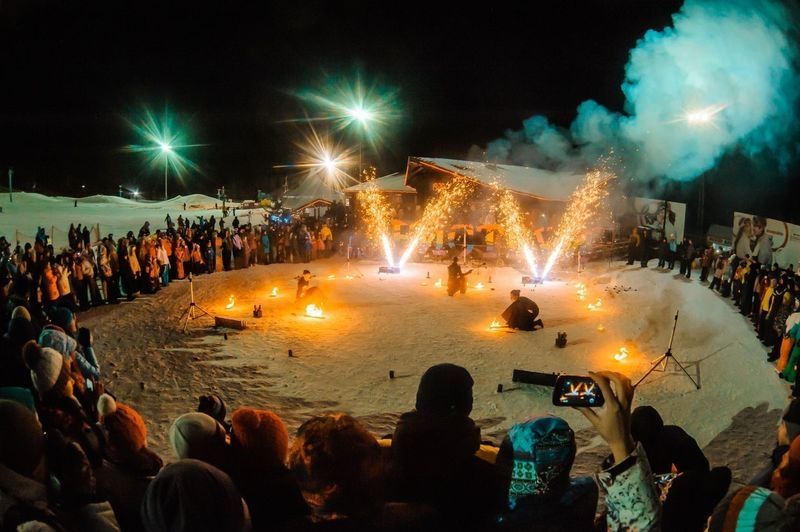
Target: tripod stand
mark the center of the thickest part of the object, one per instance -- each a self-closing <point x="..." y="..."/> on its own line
<point x="660" y="364"/>
<point x="193" y="311"/>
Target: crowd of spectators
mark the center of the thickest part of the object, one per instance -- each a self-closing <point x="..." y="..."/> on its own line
<point x="766" y="294"/>
<point x="75" y="456"/>
<point x="90" y="272"/>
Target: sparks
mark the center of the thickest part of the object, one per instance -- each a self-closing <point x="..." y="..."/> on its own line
<point x="581" y="209"/>
<point x="376" y="214"/>
<point x="387" y="249"/>
<point x="438" y="210"/>
<point x="518" y="237"/>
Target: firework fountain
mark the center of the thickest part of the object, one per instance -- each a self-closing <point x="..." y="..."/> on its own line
<point x="517" y="235"/>
<point x="439" y="208"/>
<point x="376" y="213"/>
<point x="583" y="205"/>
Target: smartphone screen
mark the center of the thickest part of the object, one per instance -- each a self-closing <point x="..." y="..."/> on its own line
<point x="574" y="390"/>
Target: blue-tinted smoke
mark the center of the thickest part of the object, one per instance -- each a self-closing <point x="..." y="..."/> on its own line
<point x="740" y="55"/>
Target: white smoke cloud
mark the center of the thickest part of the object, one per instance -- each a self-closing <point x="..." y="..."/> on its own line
<point x="737" y="57"/>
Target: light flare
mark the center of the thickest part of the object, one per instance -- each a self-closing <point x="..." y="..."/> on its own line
<point x="313" y="311"/>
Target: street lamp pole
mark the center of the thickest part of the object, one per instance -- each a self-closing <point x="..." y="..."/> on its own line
<point x="166" y="170"/>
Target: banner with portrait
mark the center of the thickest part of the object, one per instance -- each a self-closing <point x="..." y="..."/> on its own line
<point x="766" y="239"/>
<point x="663" y="218"/>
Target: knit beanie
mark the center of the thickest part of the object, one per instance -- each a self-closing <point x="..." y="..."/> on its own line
<point x="445" y="389"/>
<point x="260" y="436"/>
<point x="21" y="312"/>
<point x="199" y="436"/>
<point x="192" y="495"/>
<point x="126" y="429"/>
<point x="21" y="439"/>
<point x="750" y="508"/>
<point x="540" y="452"/>
<point x="646" y="424"/>
<point x="53" y="336"/>
<point x="214" y="406"/>
<point x="48" y="371"/>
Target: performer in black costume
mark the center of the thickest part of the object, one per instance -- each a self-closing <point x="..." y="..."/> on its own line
<point x="456" y="279"/>
<point x="522" y="313"/>
<point x="306" y="293"/>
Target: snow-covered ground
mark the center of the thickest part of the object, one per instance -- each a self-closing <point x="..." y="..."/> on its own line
<point x="376" y="323"/>
<point x="113" y="214"/>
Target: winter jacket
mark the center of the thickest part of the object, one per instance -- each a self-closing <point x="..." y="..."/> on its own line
<point x="631" y="496"/>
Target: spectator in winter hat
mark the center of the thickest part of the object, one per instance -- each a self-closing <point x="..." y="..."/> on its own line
<point x="129" y="466"/>
<point x="49" y="372"/>
<point x="536" y="458"/>
<point x="755" y="509"/>
<point x="20" y="331"/>
<point x="191" y="495"/>
<point x="214" y="406"/>
<point x="433" y="452"/>
<point x="260" y="443"/>
<point x="199" y="436"/>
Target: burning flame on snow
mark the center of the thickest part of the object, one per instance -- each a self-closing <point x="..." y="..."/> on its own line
<point x="581" y="291"/>
<point x="595" y="306"/>
<point x="230" y="302"/>
<point x="348" y="277"/>
<point x="601" y="328"/>
<point x="274" y="292"/>
<point x="479" y="286"/>
<point x="438" y="283"/>
<point x="495" y="324"/>
<point x="621" y="355"/>
<point x="331" y="277"/>
<point x="313" y="311"/>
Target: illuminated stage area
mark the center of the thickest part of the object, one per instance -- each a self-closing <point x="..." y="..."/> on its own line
<point x="373" y="323"/>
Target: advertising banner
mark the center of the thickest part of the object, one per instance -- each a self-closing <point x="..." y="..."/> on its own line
<point x="771" y="241"/>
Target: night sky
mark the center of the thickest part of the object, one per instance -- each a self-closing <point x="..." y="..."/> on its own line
<point x="73" y="71"/>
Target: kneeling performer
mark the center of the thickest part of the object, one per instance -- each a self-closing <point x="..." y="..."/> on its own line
<point x="522" y="313"/>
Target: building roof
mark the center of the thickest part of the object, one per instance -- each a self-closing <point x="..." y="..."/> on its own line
<point x="394" y="183"/>
<point x="534" y="182"/>
<point x="310" y="189"/>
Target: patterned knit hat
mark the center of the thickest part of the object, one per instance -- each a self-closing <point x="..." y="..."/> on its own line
<point x="750" y="508"/>
<point x="543" y="451"/>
